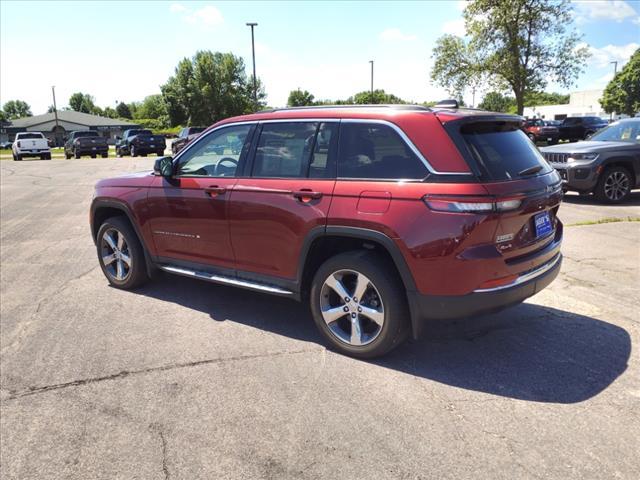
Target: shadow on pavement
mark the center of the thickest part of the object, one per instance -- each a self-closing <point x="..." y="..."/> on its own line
<point x="575" y="199"/>
<point x="528" y="352"/>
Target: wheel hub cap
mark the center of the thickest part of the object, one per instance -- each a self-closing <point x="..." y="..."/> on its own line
<point x="616" y="186"/>
<point x="115" y="254"/>
<point x="352" y="307"/>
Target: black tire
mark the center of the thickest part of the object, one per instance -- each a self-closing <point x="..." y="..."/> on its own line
<point x="136" y="274"/>
<point x="17" y="157"/>
<point x="132" y="151"/>
<point x="532" y="137"/>
<point x="76" y="154"/>
<point x="93" y="155"/>
<point x="614" y="185"/>
<point x="387" y="291"/>
<point x="160" y="153"/>
<point x="105" y="155"/>
<point x="67" y="156"/>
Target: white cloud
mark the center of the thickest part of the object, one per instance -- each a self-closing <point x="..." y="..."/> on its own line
<point x="454" y="27"/>
<point x="207" y="16"/>
<point x="602" y="57"/>
<point x="177" y="8"/>
<point x="616" y="10"/>
<point x="604" y="80"/>
<point x="395" y="34"/>
<point x="461" y="4"/>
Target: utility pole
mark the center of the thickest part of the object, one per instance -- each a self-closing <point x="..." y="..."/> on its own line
<point x="55" y="113"/>
<point x="253" y="54"/>
<point x="615" y="70"/>
<point x="371" y="62"/>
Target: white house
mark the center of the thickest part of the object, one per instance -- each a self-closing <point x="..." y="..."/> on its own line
<point x="581" y="104"/>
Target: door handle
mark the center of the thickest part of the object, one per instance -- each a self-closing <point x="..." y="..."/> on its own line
<point x="215" y="190"/>
<point x="306" y="195"/>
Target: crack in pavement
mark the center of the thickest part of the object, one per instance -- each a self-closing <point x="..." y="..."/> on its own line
<point x="14" y="394"/>
<point x="156" y="427"/>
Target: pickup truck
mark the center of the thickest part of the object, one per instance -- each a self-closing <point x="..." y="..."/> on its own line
<point x="579" y="128"/>
<point x="86" y="142"/>
<point x="140" y="142"/>
<point x="185" y="136"/>
<point x="30" y="144"/>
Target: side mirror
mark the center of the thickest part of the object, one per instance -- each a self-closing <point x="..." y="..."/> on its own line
<point x="163" y="167"/>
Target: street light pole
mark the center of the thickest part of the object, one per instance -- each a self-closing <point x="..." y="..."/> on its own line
<point x="371" y="62"/>
<point x="55" y="113"/>
<point x="253" y="54"/>
<point x="615" y="70"/>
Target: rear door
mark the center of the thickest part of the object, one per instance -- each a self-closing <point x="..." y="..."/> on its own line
<point x="188" y="213"/>
<point x="285" y="193"/>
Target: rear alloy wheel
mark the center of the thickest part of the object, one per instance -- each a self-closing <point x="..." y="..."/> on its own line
<point x="120" y="254"/>
<point x="614" y="185"/>
<point x="358" y="306"/>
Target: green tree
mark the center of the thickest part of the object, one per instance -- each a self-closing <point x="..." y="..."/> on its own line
<point x="152" y="106"/>
<point x="519" y="45"/>
<point x="209" y="87"/>
<point x="123" y="110"/>
<point x="497" y="102"/>
<point x="300" y="98"/>
<point x="379" y="97"/>
<point x="622" y="94"/>
<point x="543" y="98"/>
<point x="16" y="109"/>
<point x="110" y="112"/>
<point x="82" y="102"/>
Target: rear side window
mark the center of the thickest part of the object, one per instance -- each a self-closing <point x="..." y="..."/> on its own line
<point x="284" y="149"/>
<point x="376" y="151"/>
<point x="503" y="150"/>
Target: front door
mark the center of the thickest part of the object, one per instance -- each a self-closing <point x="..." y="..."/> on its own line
<point x="189" y="213"/>
<point x="287" y="193"/>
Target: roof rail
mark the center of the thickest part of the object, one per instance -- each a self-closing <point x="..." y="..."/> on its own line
<point x="330" y="107"/>
<point x="450" y="103"/>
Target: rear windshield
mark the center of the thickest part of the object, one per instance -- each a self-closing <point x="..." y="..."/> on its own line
<point x="503" y="151"/>
<point x="140" y="132"/>
<point x="29" y="136"/>
<point x="86" y="134"/>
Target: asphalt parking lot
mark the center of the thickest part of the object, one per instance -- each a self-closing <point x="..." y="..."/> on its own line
<point x="186" y="380"/>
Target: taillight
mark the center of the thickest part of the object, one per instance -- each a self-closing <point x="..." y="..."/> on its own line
<point x="471" y="204"/>
<point x="19" y="144"/>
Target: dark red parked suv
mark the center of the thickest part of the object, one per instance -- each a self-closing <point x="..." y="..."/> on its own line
<point x="381" y="217"/>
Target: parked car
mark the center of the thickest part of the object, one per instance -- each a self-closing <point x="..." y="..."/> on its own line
<point x="381" y="218"/>
<point x="85" y="142"/>
<point x="5" y="145"/>
<point x="137" y="141"/>
<point x="538" y="131"/>
<point x="607" y="165"/>
<point x="579" y="128"/>
<point x="30" y="144"/>
<point x="185" y="136"/>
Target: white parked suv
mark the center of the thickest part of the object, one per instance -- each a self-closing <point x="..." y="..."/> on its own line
<point x="31" y="144"/>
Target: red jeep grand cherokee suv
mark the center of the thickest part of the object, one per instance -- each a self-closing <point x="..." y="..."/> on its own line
<point x="381" y="217"/>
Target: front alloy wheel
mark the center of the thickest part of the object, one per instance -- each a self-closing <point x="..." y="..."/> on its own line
<point x="115" y="255"/>
<point x="614" y="185"/>
<point x="352" y="307"/>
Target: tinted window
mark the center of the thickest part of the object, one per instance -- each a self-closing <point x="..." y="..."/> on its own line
<point x="217" y="154"/>
<point x="85" y="134"/>
<point x="502" y="150"/>
<point x="376" y="151"/>
<point x="571" y="121"/>
<point x="323" y="159"/>
<point x="284" y="149"/>
<point x="628" y="131"/>
<point x="29" y="136"/>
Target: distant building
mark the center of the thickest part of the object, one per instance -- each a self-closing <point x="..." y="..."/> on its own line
<point x="581" y="104"/>
<point x="68" y="121"/>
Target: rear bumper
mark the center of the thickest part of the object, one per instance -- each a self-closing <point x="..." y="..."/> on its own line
<point x="427" y="308"/>
<point x="91" y="151"/>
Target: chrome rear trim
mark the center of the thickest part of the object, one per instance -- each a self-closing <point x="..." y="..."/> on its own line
<point x="225" y="280"/>
<point x="526" y="276"/>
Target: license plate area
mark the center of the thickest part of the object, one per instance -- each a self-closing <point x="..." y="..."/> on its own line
<point x="542" y="224"/>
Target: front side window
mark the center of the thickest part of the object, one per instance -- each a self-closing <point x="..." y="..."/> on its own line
<point x="376" y="151"/>
<point x="284" y="149"/>
<point x="216" y="155"/>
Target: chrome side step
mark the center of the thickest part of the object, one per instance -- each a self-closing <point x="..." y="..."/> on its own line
<point x="225" y="280"/>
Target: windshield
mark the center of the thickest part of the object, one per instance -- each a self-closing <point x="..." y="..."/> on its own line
<point x="620" y="132"/>
<point x="504" y="151"/>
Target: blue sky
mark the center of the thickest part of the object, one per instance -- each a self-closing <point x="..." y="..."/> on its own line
<point x="125" y="50"/>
